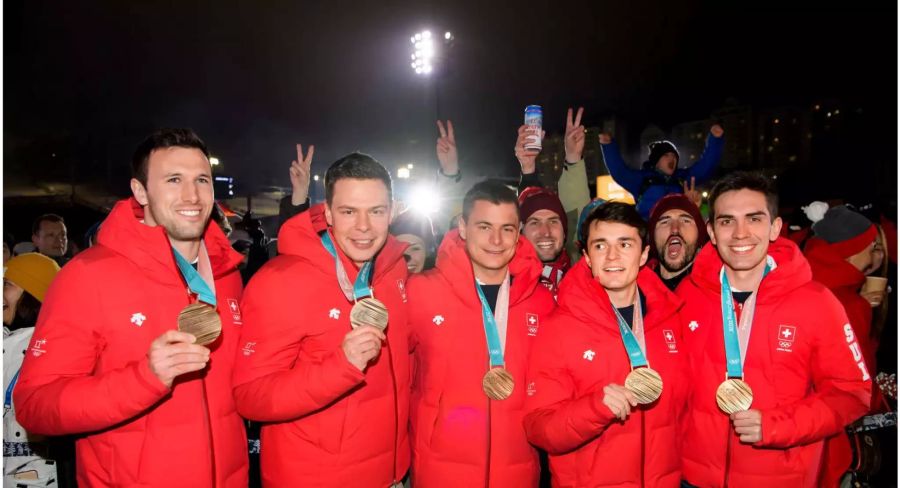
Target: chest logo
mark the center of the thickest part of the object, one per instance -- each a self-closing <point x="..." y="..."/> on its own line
<point x="334" y="314"/>
<point x="235" y="310"/>
<point x="786" y="335"/>
<point x="438" y="319"/>
<point x="248" y="348"/>
<point x="589" y="355"/>
<point x="693" y="325"/>
<point x="37" y="349"/>
<point x="138" y="319"/>
<point x="669" y="336"/>
<point x="533" y="323"/>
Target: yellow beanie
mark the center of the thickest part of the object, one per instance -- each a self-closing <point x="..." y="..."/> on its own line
<point x="33" y="272"/>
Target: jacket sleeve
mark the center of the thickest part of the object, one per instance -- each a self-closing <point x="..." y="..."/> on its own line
<point x="450" y="190"/>
<point x="703" y="169"/>
<point x="276" y="381"/>
<point x="528" y="180"/>
<point x="57" y="392"/>
<point x="628" y="178"/>
<point x="556" y="421"/>
<point x="573" y="187"/>
<point x="287" y="209"/>
<point x="841" y="385"/>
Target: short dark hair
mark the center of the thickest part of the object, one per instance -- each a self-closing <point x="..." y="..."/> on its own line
<point x="493" y="191"/>
<point x="27" y="311"/>
<point x="358" y="166"/>
<point x="162" y="139"/>
<point x="745" y="180"/>
<point x="50" y="217"/>
<point x="618" y="212"/>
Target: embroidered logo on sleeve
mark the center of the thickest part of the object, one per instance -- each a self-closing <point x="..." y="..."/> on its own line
<point x="235" y="311"/>
<point x="138" y="319"/>
<point x="533" y="323"/>
<point x="856" y="351"/>
<point x="38" y="347"/>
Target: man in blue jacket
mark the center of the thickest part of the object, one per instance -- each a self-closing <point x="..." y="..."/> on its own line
<point x="660" y="175"/>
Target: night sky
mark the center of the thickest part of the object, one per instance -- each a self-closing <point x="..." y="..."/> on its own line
<point x="90" y="79"/>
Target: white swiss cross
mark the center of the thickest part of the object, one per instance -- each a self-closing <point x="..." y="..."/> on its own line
<point x="438" y="319"/>
<point x="669" y="336"/>
<point x="532" y="319"/>
<point x="787" y="333"/>
<point x="233" y="306"/>
<point x="334" y="314"/>
<point x="589" y="355"/>
<point x="138" y="319"/>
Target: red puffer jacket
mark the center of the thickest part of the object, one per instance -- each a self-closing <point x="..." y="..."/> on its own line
<point x="331" y="424"/>
<point x="803" y="363"/>
<point x="87" y="370"/>
<point x="583" y="352"/>
<point x="460" y="437"/>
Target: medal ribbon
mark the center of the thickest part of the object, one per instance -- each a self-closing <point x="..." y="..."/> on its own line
<point x="493" y="321"/>
<point x="200" y="280"/>
<point x="736" y="347"/>
<point x="360" y="288"/>
<point x="634" y="340"/>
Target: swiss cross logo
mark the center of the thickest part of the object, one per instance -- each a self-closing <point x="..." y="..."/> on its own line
<point x="401" y="287"/>
<point x="533" y="323"/>
<point x="37" y="349"/>
<point x="235" y="310"/>
<point x="786" y="334"/>
<point x="248" y="348"/>
<point x="669" y="336"/>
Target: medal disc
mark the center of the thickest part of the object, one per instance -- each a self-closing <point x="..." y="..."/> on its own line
<point x="497" y="384"/>
<point x="369" y="311"/>
<point x="734" y="395"/>
<point x="645" y="383"/>
<point x="202" y="321"/>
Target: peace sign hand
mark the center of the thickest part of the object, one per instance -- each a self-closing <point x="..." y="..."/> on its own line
<point x="574" y="136"/>
<point x="446" y="149"/>
<point x="693" y="195"/>
<point x="300" y="169"/>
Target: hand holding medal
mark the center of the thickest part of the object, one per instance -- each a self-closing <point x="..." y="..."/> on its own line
<point x="199" y="319"/>
<point x="644" y="383"/>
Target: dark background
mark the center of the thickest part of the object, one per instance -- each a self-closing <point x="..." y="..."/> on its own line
<point x="86" y="81"/>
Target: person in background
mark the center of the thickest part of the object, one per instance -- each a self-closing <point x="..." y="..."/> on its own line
<point x="660" y="175"/>
<point x="545" y="225"/>
<point x="678" y="232"/>
<point x="28" y="458"/>
<point x="50" y="237"/>
<point x="416" y="230"/>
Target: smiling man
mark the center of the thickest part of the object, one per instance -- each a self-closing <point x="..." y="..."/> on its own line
<point x="775" y="365"/>
<point x="678" y="232"/>
<point x="324" y="357"/>
<point x="544" y="224"/>
<point x="593" y="404"/>
<point x="153" y="407"/>
<point x="474" y="319"/>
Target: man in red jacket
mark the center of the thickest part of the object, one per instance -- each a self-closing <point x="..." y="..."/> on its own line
<point x="324" y="355"/>
<point x="590" y="405"/>
<point x="775" y="366"/>
<point x="106" y="361"/>
<point x="544" y="224"/>
<point x="474" y="319"/>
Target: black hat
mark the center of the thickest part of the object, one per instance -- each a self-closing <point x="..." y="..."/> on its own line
<point x="658" y="149"/>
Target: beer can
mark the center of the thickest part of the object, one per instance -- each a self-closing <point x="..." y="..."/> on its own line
<point x="534" y="119"/>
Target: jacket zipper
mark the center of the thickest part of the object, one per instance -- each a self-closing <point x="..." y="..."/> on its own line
<point x="212" y="450"/>
<point x="727" y="457"/>
<point x="487" y="472"/>
<point x="643" y="448"/>
<point x="396" y="408"/>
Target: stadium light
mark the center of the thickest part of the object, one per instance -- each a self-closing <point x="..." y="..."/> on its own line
<point x="426" y="51"/>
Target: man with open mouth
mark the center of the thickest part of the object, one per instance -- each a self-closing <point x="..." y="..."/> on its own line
<point x="678" y="232"/>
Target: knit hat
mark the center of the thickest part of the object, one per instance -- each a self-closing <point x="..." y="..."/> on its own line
<point x="678" y="201"/>
<point x="33" y="272"/>
<point x="584" y="215"/>
<point x="535" y="198"/>
<point x="847" y="231"/>
<point x="657" y="150"/>
<point x="417" y="224"/>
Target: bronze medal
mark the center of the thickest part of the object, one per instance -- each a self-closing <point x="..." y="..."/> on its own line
<point x="369" y="311"/>
<point x="201" y="320"/>
<point x="645" y="384"/>
<point x="497" y="384"/>
<point x="734" y="395"/>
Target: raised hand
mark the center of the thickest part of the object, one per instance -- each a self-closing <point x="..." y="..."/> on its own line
<point x="174" y="353"/>
<point x="604" y="138"/>
<point x="446" y="149"/>
<point x="362" y="345"/>
<point x="300" y="169"/>
<point x="574" y="136"/>
<point x="692" y="194"/>
<point x="527" y="157"/>
<point x="716" y="130"/>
